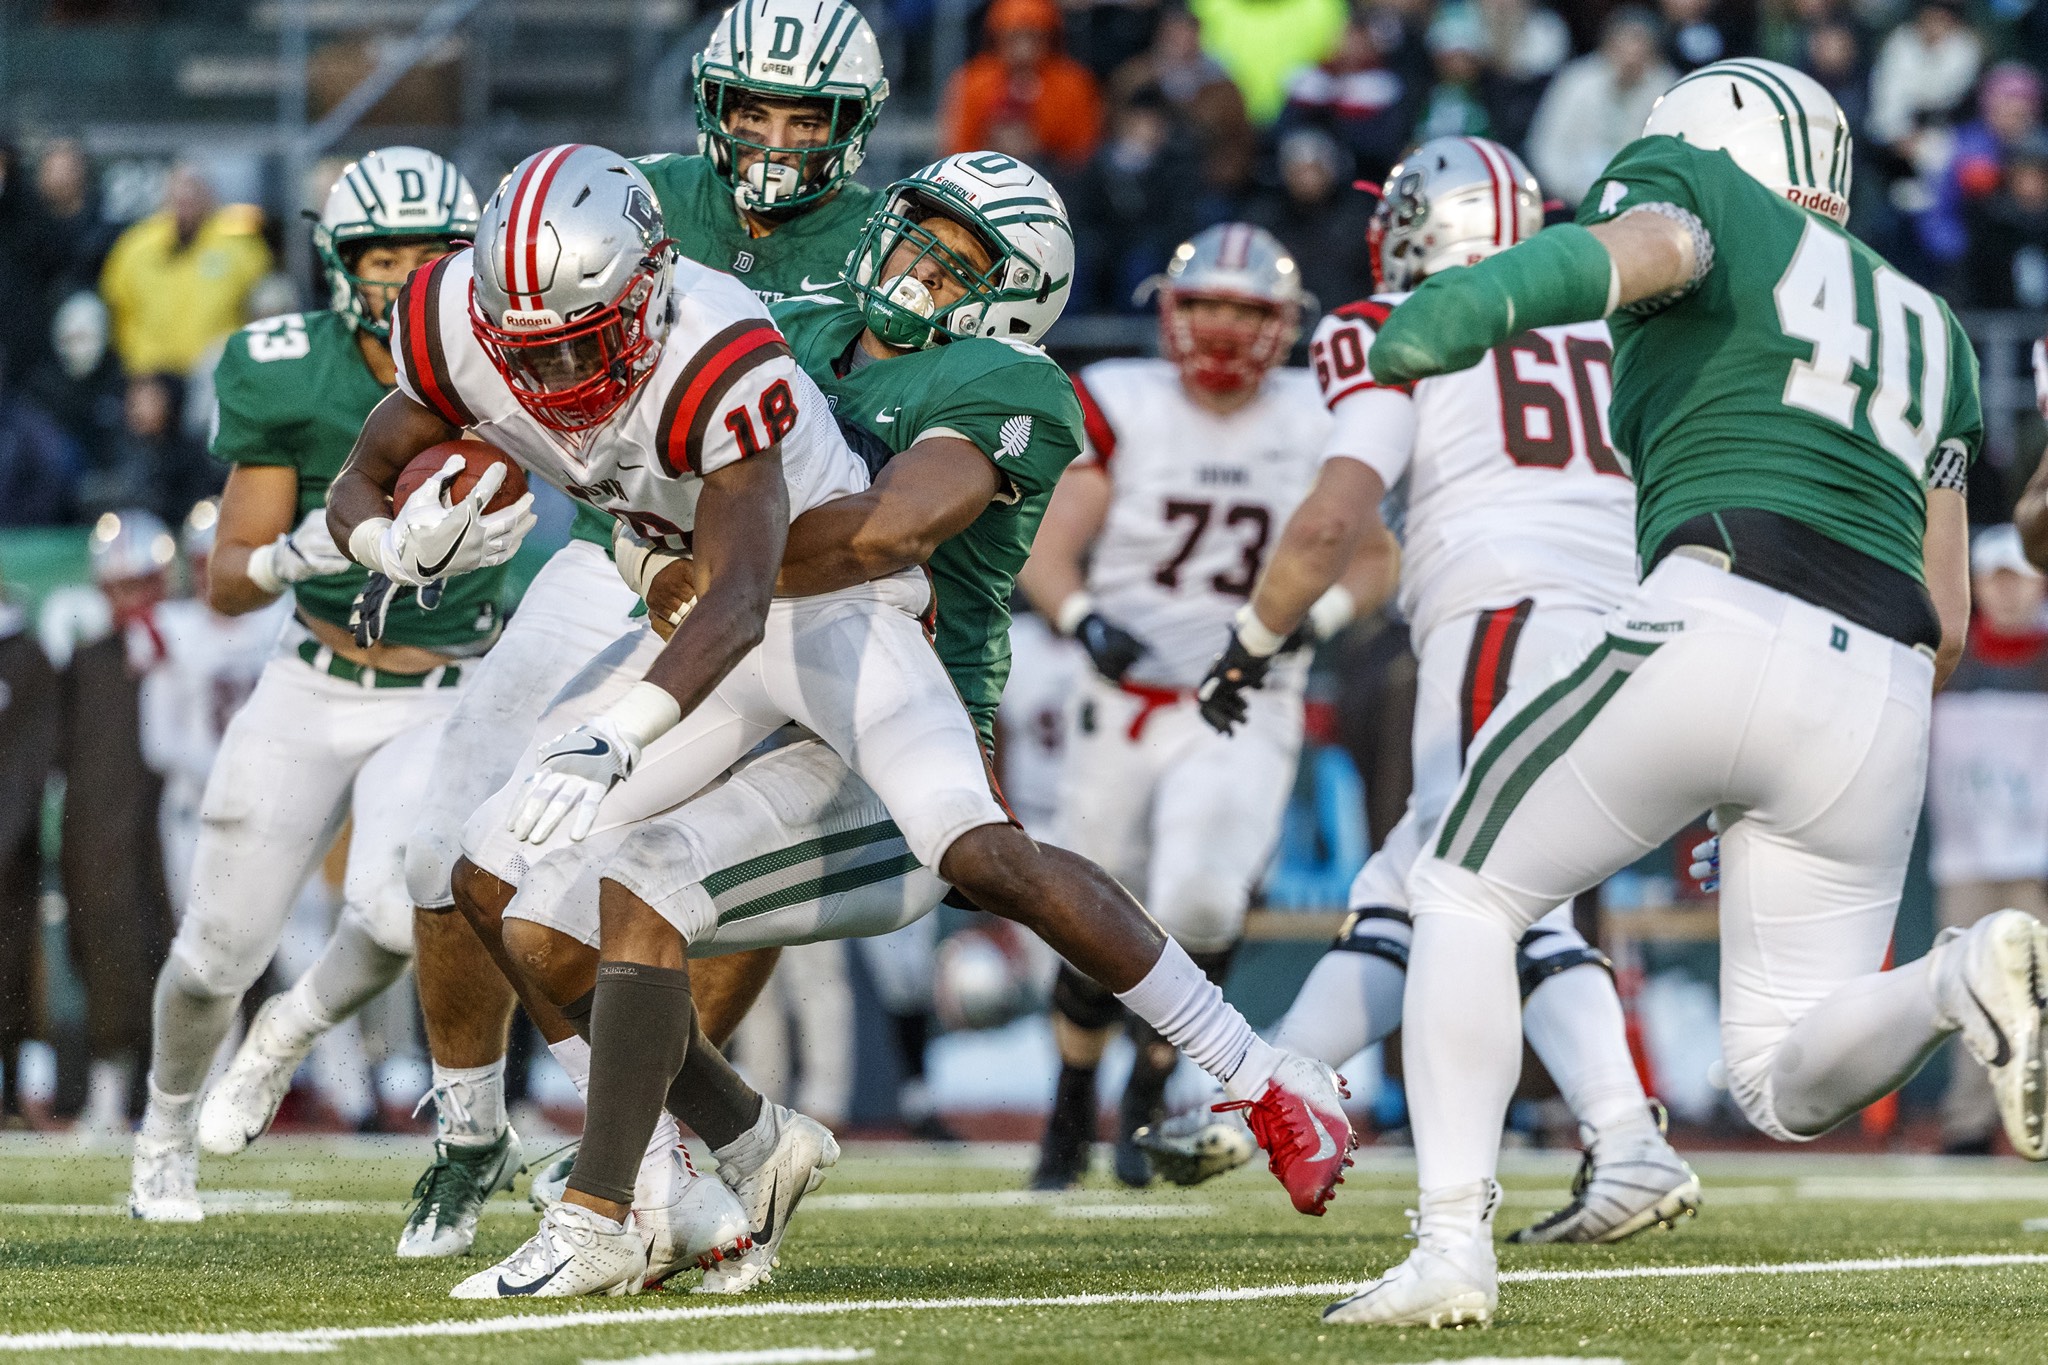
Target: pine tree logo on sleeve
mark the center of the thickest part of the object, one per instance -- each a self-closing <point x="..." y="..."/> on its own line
<point x="1014" y="436"/>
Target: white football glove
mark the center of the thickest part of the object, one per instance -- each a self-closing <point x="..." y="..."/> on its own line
<point x="431" y="539"/>
<point x="575" y="772"/>
<point x="1706" y="858"/>
<point x="2041" y="377"/>
<point x="306" y="551"/>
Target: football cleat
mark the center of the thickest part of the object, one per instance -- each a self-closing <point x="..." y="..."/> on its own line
<point x="551" y="1181"/>
<point x="1064" y="1151"/>
<point x="240" y="1107"/>
<point x="164" y="1184"/>
<point x="769" y="1193"/>
<point x="1300" y="1122"/>
<point x="452" y="1192"/>
<point x="1190" y="1148"/>
<point x="688" y="1220"/>
<point x="1623" y="1186"/>
<point x="575" y="1252"/>
<point x="1992" y="980"/>
<point x="1450" y="1279"/>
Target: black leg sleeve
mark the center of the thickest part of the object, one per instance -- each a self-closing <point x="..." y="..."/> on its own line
<point x="641" y="1022"/>
<point x="709" y="1096"/>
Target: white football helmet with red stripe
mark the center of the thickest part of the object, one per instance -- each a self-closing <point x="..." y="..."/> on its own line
<point x="1232" y="263"/>
<point x="1451" y="201"/>
<point x="571" y="296"/>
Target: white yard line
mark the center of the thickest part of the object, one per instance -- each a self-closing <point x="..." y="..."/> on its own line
<point x="775" y="1355"/>
<point x="326" y="1338"/>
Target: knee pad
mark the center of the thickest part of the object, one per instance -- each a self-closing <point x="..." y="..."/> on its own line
<point x="1204" y="916"/>
<point x="1377" y="931"/>
<point x="218" y="980"/>
<point x="430" y="867"/>
<point x="1082" y="1002"/>
<point x="1543" y="953"/>
<point x="1749" y="1081"/>
<point x="385" y="920"/>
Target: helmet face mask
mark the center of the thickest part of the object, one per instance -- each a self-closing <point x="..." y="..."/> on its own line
<point x="781" y="52"/>
<point x="391" y="196"/>
<point x="978" y="204"/>
<point x="1230" y="307"/>
<point x="1450" y="202"/>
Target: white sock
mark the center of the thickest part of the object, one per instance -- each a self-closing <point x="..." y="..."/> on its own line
<point x="573" y="1055"/>
<point x="299" y="1019"/>
<point x="352" y="970"/>
<point x="469" y="1104"/>
<point x="1189" y="1011"/>
<point x="1574" y="1022"/>
<point x="1858" y="1045"/>
<point x="665" y="1139"/>
<point x="170" y="1116"/>
<point x="1349" y="1002"/>
<point x="1462" y="1045"/>
<point x="751" y="1147"/>
<point x="1458" y="1213"/>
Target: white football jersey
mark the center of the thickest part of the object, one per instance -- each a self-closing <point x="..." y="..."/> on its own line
<point x="1513" y="488"/>
<point x="1197" y="502"/>
<point x="210" y="666"/>
<point x="1045" y="671"/>
<point x="724" y="388"/>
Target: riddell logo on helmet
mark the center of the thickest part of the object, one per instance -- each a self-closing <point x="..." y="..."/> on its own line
<point x="1820" y="201"/>
<point x="534" y="321"/>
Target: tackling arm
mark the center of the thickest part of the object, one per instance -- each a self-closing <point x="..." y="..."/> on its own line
<point x="1946" y="554"/>
<point x="921" y="499"/>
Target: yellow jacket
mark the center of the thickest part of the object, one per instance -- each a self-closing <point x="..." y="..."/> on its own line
<point x="169" y="304"/>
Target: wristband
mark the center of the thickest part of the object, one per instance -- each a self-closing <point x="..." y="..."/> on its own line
<point x="645" y="713"/>
<point x="262" y="569"/>
<point x="1333" y="611"/>
<point x="1258" y="640"/>
<point x="639" y="563"/>
<point x="365" y="543"/>
<point x="1076" y="609"/>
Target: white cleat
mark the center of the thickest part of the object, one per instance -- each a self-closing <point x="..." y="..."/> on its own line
<point x="164" y="1184"/>
<point x="688" y="1220"/>
<point x="1199" y="1145"/>
<point x="1992" y="980"/>
<point x="1449" y="1280"/>
<point x="551" y="1181"/>
<point x="241" y="1105"/>
<point x="575" y="1252"/>
<point x="769" y="1193"/>
<point x="1621" y="1188"/>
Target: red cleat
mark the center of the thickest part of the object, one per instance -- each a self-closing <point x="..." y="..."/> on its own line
<point x="1301" y="1125"/>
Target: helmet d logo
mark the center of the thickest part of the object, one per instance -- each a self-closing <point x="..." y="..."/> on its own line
<point x="789" y="36"/>
<point x="412" y="186"/>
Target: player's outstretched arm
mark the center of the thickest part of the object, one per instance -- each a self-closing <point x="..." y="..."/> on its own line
<point x="1561" y="275"/>
<point x="258" y="507"/>
<point x="398" y="428"/>
<point x="1946" y="555"/>
<point x="741" y="529"/>
<point x="921" y="499"/>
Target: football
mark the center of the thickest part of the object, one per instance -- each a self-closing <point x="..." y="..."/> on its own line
<point x="477" y="456"/>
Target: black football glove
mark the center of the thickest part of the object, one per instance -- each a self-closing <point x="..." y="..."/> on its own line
<point x="366" y="614"/>
<point x="1111" y="648"/>
<point x="1221" y="695"/>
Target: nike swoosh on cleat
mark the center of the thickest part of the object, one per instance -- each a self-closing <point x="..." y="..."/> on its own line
<point x="435" y="570"/>
<point x="514" y="1291"/>
<point x="767" y="1231"/>
<point x="2004" y="1047"/>
<point x="1327" y="1147"/>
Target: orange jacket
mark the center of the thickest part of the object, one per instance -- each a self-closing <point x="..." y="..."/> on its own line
<point x="1059" y="102"/>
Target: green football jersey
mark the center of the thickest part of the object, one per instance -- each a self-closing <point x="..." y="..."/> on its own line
<point x="802" y="256"/>
<point x="1801" y="376"/>
<point x="1015" y="405"/>
<point x="294" y="391"/>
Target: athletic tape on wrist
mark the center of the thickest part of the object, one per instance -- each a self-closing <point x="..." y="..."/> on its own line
<point x="262" y="568"/>
<point x="365" y="543"/>
<point x="1333" y="611"/>
<point x="644" y="714"/>
<point x="1073" y="612"/>
<point x="1259" y="640"/>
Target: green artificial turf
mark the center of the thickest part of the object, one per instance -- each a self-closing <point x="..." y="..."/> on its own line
<point x="274" y="1271"/>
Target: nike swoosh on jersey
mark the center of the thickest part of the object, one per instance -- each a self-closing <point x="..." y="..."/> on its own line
<point x="532" y="1287"/>
<point x="811" y="286"/>
<point x="889" y="416"/>
<point x="2004" y="1047"/>
<point x="435" y="570"/>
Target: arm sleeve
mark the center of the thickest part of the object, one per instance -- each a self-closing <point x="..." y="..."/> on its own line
<point x="734" y="399"/>
<point x="1025" y="417"/>
<point x="1374" y="422"/>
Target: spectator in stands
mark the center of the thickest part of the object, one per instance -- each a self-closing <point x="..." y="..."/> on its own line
<point x="1203" y="100"/>
<point x="1320" y="218"/>
<point x="28" y="261"/>
<point x="2009" y="114"/>
<point x="39" y="465"/>
<point x="28" y="750"/>
<point x="83" y="237"/>
<point x="1104" y="34"/>
<point x="1987" y="781"/>
<point x="1262" y="43"/>
<point x="1597" y="105"/>
<point x="1698" y="32"/>
<point x="1456" y="106"/>
<point x="1924" y="73"/>
<point x="177" y="281"/>
<point x="1357" y="98"/>
<point x="2006" y="265"/>
<point x="79" y="383"/>
<point x="1526" y="43"/>
<point x="1024" y="95"/>
<point x="1131" y="205"/>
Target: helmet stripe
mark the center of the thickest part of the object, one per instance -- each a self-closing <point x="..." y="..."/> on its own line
<point x="1720" y="69"/>
<point x="1503" y="194"/>
<point x="1763" y="72"/>
<point x="527" y="203"/>
<point x="825" y="41"/>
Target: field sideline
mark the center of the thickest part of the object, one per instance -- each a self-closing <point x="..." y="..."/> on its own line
<point x="925" y="1255"/>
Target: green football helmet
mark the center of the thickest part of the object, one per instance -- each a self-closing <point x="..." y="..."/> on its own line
<point x="1019" y="218"/>
<point x="792" y="50"/>
<point x="390" y="194"/>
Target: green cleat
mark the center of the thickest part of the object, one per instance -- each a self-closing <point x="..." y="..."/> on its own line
<point x="453" y="1191"/>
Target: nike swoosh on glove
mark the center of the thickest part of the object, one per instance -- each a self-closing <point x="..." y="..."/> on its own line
<point x="1221" y="695"/>
<point x="1111" y="648"/>
<point x="575" y="772"/>
<point x="430" y="539"/>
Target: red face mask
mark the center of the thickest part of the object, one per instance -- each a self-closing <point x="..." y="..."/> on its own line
<point x="1222" y="356"/>
<point x="576" y="374"/>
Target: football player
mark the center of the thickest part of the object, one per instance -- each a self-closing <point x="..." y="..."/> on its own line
<point x="1519" y="523"/>
<point x="1151" y="545"/>
<point x="292" y="392"/>
<point x="665" y="394"/>
<point x="1799" y="420"/>
<point x="787" y="92"/>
